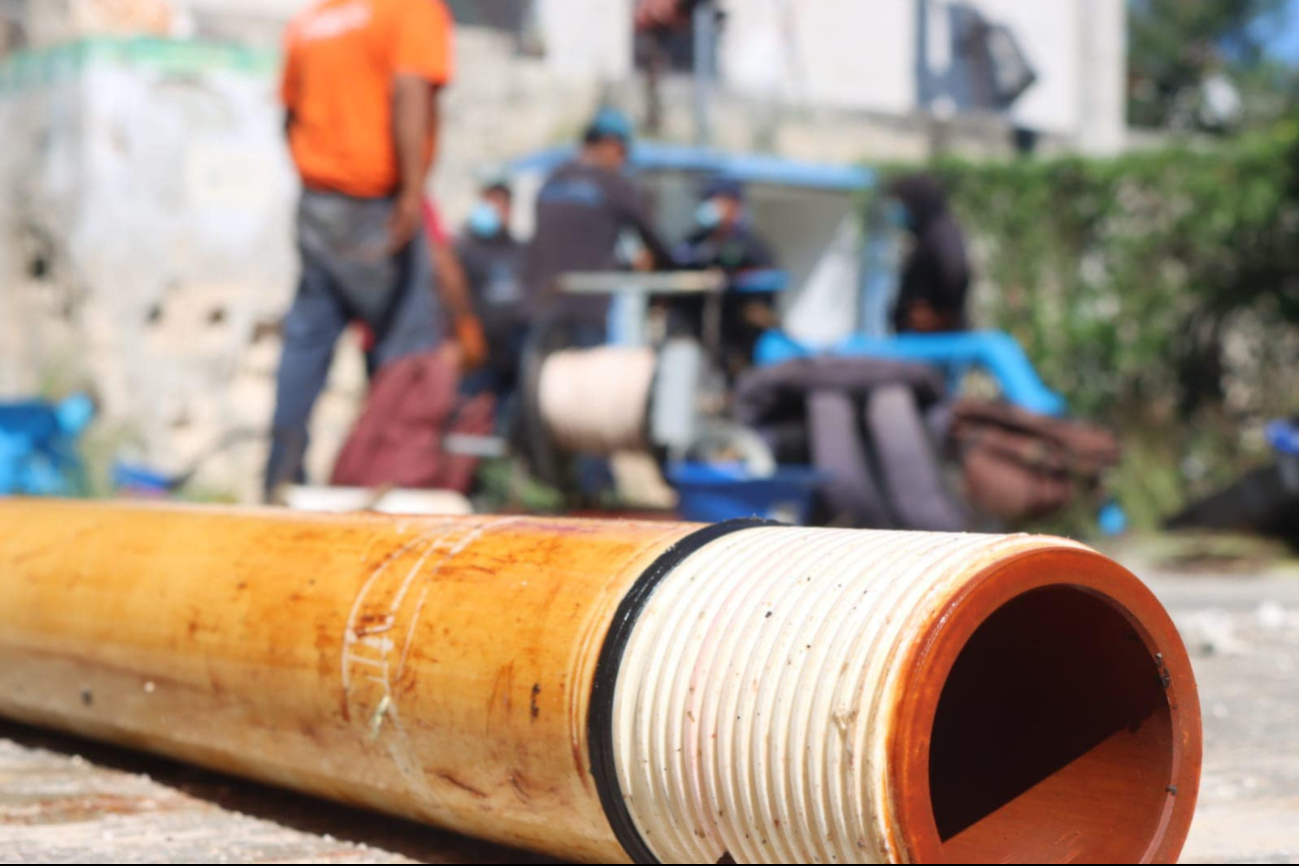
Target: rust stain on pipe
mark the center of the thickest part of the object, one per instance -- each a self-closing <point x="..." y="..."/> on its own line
<point x="524" y="680"/>
<point x="418" y="666"/>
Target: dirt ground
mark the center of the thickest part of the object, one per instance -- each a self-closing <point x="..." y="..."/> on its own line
<point x="64" y="800"/>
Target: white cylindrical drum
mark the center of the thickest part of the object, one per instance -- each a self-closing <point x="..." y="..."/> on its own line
<point x="596" y="401"/>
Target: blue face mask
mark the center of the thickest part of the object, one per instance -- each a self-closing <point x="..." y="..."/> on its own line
<point x="485" y="221"/>
<point x="709" y="215"/>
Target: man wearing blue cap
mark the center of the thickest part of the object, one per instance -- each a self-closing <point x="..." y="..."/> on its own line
<point x="493" y="262"/>
<point x="724" y="236"/>
<point x="582" y="211"/>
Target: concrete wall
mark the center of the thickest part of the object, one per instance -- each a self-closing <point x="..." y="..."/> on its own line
<point x="145" y="211"/>
<point x="146" y="249"/>
<point x="1103" y="86"/>
<point x="842" y="54"/>
<point x="525" y="104"/>
<point x="587" y="38"/>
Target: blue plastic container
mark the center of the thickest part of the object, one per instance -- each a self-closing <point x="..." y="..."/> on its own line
<point x="711" y="493"/>
<point x="1284" y="437"/>
<point x="140" y="481"/>
<point x="38" y="446"/>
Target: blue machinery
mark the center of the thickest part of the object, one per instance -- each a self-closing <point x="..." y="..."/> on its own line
<point x="838" y="288"/>
<point x="995" y="352"/>
<point x="1283" y="436"/>
<point x="673" y="172"/>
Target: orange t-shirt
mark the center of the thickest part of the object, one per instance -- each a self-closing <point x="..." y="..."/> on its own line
<point x="341" y="58"/>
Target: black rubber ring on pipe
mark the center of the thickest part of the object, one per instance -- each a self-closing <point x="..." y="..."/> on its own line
<point x="600" y="716"/>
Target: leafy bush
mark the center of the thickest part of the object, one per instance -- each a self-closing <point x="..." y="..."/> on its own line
<point x="1158" y="290"/>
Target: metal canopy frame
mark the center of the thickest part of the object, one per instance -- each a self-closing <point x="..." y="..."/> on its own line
<point x="750" y="168"/>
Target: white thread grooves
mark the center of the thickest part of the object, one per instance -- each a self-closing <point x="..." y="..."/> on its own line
<point x="751" y="706"/>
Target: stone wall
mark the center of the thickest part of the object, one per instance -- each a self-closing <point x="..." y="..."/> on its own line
<point x="145" y="206"/>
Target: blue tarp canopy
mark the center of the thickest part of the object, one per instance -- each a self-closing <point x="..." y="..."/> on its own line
<point x="651" y="157"/>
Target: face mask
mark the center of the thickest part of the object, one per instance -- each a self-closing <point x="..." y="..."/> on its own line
<point x="485" y="221"/>
<point x="709" y="215"/>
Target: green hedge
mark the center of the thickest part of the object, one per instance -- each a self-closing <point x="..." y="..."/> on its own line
<point x="1159" y="291"/>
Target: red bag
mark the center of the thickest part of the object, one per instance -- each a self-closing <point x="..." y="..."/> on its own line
<point x="397" y="442"/>
<point x="1021" y="466"/>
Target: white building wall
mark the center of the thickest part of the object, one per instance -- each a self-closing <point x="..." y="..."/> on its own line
<point x="281" y="9"/>
<point x="1048" y="33"/>
<point x="1103" y="84"/>
<point x="866" y="55"/>
<point x="854" y="54"/>
<point x="1079" y="50"/>
<point x="587" y="37"/>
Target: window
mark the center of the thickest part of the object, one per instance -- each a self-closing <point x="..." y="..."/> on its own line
<point x="995" y="65"/>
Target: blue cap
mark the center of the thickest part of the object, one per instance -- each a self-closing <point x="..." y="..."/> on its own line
<point x="723" y="185"/>
<point x="610" y="123"/>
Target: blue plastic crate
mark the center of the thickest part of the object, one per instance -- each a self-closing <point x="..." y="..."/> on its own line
<point x="1284" y="437"/>
<point x="38" y="446"/>
<point x="712" y="493"/>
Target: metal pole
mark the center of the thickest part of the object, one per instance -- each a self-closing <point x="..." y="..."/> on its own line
<point x="705" y="27"/>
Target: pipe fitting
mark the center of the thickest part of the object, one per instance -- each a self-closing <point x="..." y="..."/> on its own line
<point x="820" y="696"/>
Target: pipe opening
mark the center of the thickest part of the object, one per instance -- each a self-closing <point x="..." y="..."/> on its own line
<point x="1053" y="738"/>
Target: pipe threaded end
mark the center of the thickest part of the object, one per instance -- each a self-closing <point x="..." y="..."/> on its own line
<point x="754" y="703"/>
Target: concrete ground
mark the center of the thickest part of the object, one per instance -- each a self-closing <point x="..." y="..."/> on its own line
<point x="1244" y="639"/>
<point x="64" y="800"/>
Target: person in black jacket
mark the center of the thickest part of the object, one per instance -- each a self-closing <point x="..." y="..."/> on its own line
<point x="724" y="235"/>
<point x="726" y="239"/>
<point x="492" y="260"/>
<point x="582" y="212"/>
<point x="936" y="276"/>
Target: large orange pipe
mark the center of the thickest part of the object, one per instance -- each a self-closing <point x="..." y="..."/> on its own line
<point x="610" y="690"/>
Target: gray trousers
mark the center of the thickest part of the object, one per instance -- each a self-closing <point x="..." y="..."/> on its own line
<point x="347" y="276"/>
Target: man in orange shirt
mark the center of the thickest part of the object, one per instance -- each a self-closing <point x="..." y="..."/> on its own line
<point x="360" y="89"/>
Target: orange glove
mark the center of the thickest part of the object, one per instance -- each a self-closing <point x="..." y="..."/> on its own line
<point x="473" y="343"/>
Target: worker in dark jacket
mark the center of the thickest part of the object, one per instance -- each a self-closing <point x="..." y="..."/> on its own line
<point x="492" y="260"/>
<point x="583" y="211"/>
<point x="724" y="236"/>
<point x="936" y="277"/>
<point x="726" y="239"/>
